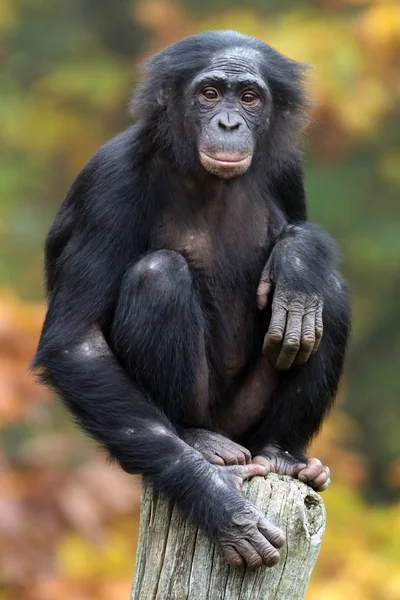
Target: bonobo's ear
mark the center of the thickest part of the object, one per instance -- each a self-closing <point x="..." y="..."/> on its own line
<point x="162" y="96"/>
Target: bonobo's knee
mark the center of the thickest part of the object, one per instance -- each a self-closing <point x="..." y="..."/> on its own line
<point x="164" y="270"/>
<point x="336" y="301"/>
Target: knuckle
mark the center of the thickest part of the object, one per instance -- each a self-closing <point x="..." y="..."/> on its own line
<point x="281" y="297"/>
<point x="292" y="344"/>
<point x="308" y="335"/>
<point x="307" y="343"/>
<point x="312" y="303"/>
<point x="278" y="539"/>
<point x="297" y="305"/>
<point x="272" y="558"/>
<point x="241" y="458"/>
<point x="280" y="301"/>
<point x="274" y="336"/>
<point x="254" y="560"/>
<point x="283" y="365"/>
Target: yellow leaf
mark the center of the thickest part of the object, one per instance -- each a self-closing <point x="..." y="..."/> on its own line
<point x="7" y="14"/>
<point x="75" y="557"/>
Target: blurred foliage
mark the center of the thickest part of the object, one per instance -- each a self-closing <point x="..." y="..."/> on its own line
<point x="68" y="522"/>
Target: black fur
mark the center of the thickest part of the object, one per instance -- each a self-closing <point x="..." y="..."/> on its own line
<point x="108" y="273"/>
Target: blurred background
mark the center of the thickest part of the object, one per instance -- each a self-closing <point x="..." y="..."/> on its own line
<point x="68" y="522"/>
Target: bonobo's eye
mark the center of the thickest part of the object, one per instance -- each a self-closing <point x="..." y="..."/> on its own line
<point x="209" y="94"/>
<point x="250" y="98"/>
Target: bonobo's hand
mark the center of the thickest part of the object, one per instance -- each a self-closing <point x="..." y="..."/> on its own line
<point x="250" y="539"/>
<point x="216" y="448"/>
<point x="295" y="329"/>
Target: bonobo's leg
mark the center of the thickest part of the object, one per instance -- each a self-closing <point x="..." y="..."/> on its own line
<point x="157" y="333"/>
<point x="291" y="404"/>
<point x="304" y="395"/>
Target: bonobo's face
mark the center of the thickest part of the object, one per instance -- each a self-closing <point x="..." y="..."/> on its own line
<point x="231" y="104"/>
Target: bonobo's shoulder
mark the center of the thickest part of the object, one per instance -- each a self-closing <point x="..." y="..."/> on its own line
<point x="107" y="191"/>
<point x="117" y="155"/>
<point x="110" y="175"/>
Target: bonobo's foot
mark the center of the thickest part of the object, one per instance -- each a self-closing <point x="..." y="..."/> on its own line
<point x="216" y="448"/>
<point x="250" y="539"/>
<point x="310" y="471"/>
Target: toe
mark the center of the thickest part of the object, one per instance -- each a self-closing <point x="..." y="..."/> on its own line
<point x="217" y="460"/>
<point x="313" y="469"/>
<point x="324" y="486"/>
<point x="241" y="458"/>
<point x="261" y="460"/>
<point x="230" y="458"/>
<point x="319" y="482"/>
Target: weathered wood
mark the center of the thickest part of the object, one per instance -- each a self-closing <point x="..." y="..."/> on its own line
<point x="176" y="561"/>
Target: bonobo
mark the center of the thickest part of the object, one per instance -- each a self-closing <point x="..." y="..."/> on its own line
<point x="187" y="292"/>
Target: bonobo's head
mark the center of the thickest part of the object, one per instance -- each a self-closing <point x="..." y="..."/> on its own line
<point x="220" y="101"/>
<point x="229" y="104"/>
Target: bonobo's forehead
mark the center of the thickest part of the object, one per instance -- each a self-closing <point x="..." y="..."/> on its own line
<point x="234" y="65"/>
<point x="237" y="61"/>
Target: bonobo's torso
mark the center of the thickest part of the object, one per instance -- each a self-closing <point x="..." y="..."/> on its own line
<point x="224" y="238"/>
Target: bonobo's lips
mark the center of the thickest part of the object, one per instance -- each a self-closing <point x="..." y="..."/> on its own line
<point x="225" y="164"/>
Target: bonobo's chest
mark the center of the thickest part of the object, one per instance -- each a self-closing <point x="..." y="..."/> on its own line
<point x="214" y="237"/>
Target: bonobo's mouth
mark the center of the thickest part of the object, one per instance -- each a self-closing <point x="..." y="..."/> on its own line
<point x="224" y="164"/>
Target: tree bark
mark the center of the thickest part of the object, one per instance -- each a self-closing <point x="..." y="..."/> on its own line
<point x="176" y="561"/>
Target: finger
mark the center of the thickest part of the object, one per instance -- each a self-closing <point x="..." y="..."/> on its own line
<point x="269" y="555"/>
<point x="264" y="287"/>
<point x="261" y="460"/>
<point x="291" y="342"/>
<point x="247" y="471"/>
<point x="312" y="470"/>
<point x="217" y="460"/>
<point x="307" y="340"/>
<point x="232" y="556"/>
<point x="319" y="326"/>
<point x="273" y="339"/>
<point x="249" y="553"/>
<point x="271" y="532"/>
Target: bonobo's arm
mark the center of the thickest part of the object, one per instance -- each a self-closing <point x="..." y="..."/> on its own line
<point x="301" y="262"/>
<point x="288" y="191"/>
<point x="75" y="359"/>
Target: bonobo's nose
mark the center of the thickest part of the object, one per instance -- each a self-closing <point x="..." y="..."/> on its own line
<point x="228" y="122"/>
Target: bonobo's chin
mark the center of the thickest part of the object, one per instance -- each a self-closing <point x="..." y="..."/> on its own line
<point x="225" y="165"/>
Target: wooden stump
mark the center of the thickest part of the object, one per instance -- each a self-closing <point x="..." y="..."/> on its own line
<point x="176" y="561"/>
